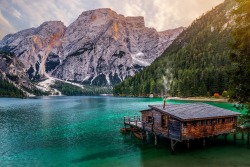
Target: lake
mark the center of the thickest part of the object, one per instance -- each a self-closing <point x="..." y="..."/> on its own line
<point x="84" y="131"/>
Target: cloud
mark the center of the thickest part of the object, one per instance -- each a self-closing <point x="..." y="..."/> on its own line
<point x="160" y="14"/>
<point x="16" y="13"/>
<point x="5" y="26"/>
<point x="164" y="14"/>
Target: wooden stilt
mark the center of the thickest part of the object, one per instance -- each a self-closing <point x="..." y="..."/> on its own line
<point x="248" y="138"/>
<point x="125" y="129"/>
<point x="188" y="144"/>
<point x="155" y="141"/>
<point x="172" y="146"/>
<point x="204" y="142"/>
<point x="131" y="132"/>
<point x="146" y="139"/>
<point x="234" y="139"/>
<point x="173" y="143"/>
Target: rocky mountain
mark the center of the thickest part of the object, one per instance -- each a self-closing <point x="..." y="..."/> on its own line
<point x="100" y="48"/>
<point x="195" y="64"/>
<point x="13" y="77"/>
<point x="33" y="46"/>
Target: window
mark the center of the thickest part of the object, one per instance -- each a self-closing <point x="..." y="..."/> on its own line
<point x="209" y="122"/>
<point x="150" y="119"/>
<point x="163" y="120"/>
<point x="184" y="124"/>
<point x="203" y="122"/>
<point x="193" y="123"/>
<point x="217" y="121"/>
<point x="223" y="120"/>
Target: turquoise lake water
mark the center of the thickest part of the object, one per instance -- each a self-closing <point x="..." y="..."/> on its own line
<point x="84" y="131"/>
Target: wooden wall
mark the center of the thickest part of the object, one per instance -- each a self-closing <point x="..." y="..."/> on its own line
<point x="175" y="129"/>
<point x="197" y="129"/>
<point x="187" y="130"/>
<point x="156" y="125"/>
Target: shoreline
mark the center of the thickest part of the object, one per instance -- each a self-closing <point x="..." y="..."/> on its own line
<point x="199" y="99"/>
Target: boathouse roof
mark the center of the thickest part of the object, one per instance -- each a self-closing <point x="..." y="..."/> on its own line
<point x="194" y="111"/>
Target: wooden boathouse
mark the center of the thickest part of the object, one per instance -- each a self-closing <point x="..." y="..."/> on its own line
<point x="183" y="122"/>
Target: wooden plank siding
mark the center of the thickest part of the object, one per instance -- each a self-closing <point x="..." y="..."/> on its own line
<point x="185" y="130"/>
<point x="204" y="128"/>
<point x="156" y="126"/>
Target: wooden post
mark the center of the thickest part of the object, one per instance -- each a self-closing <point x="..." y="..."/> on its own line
<point x="204" y="142"/>
<point x="234" y="138"/>
<point x="172" y="146"/>
<point x="125" y="129"/>
<point x="248" y="138"/>
<point x="188" y="144"/>
<point x="155" y="140"/>
<point x="131" y="129"/>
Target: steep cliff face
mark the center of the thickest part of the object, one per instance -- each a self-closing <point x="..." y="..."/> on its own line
<point x="195" y="64"/>
<point x="103" y="48"/>
<point x="32" y="46"/>
<point x="13" y="71"/>
<point x="100" y="48"/>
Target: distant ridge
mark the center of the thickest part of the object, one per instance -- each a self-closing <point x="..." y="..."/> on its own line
<point x="195" y="64"/>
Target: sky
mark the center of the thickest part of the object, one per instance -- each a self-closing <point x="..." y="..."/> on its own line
<point x="16" y="15"/>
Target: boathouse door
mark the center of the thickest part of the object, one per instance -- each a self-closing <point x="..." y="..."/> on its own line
<point x="174" y="129"/>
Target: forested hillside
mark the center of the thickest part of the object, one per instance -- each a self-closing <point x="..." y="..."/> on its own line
<point x="196" y="64"/>
<point x="9" y="90"/>
<point x="14" y="81"/>
<point x="72" y="90"/>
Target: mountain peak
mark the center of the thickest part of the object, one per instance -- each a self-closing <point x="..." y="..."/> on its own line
<point x="100" y="47"/>
<point x="101" y="11"/>
<point x="136" y="21"/>
<point x="51" y="23"/>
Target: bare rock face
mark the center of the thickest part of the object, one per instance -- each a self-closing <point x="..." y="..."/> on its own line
<point x="167" y="37"/>
<point x="13" y="71"/>
<point x="100" y="48"/>
<point x="32" y="46"/>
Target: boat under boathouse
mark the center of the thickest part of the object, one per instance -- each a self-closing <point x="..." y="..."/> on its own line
<point x="183" y="122"/>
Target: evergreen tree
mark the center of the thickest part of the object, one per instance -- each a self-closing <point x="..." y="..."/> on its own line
<point x="240" y="73"/>
<point x="198" y="56"/>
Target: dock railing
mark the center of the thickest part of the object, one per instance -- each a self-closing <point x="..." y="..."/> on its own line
<point x="133" y="120"/>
